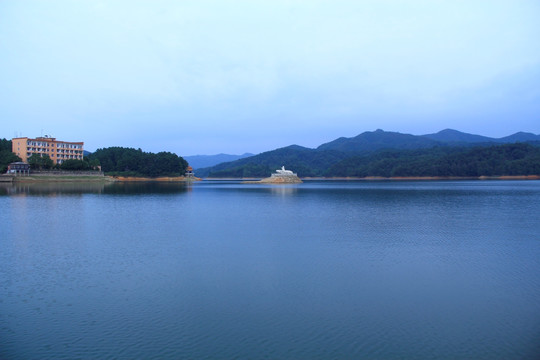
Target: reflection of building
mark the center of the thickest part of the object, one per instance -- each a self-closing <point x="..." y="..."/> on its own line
<point x="58" y="151"/>
<point x="18" y="168"/>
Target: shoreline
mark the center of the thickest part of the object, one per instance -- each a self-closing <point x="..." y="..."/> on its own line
<point x="438" y="178"/>
<point x="276" y="180"/>
<point x="94" y="178"/>
<point x="395" y="178"/>
<point x="158" y="179"/>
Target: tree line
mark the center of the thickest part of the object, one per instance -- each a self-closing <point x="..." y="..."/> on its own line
<point x="135" y="162"/>
<point x="498" y="160"/>
<point x="6" y="155"/>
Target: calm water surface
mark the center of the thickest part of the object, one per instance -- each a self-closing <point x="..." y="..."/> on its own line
<point x="222" y="270"/>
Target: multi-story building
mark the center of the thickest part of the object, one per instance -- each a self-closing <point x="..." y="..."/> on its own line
<point x="58" y="151"/>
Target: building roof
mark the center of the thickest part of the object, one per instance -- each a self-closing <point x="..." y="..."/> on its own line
<point x="43" y="138"/>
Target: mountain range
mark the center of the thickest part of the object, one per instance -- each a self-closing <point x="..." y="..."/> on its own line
<point x="363" y="148"/>
<point x="379" y="139"/>
<point x="449" y="135"/>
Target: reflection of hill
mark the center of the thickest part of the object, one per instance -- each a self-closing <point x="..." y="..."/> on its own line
<point x="52" y="188"/>
<point x="79" y="188"/>
<point x="151" y="187"/>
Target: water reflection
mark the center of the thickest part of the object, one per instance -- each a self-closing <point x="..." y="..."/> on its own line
<point x="78" y="188"/>
<point x="283" y="190"/>
<point x="248" y="187"/>
<point x="135" y="188"/>
<point x="52" y="188"/>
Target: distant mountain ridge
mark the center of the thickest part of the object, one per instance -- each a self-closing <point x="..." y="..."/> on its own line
<point x="316" y="162"/>
<point x="450" y="135"/>
<point x="202" y="161"/>
<point x="378" y="139"/>
<point x="520" y="137"/>
<point x="454" y="136"/>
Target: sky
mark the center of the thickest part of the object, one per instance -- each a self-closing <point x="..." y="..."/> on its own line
<point x="208" y="77"/>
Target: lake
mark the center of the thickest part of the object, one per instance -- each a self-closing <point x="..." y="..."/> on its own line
<point x="223" y="270"/>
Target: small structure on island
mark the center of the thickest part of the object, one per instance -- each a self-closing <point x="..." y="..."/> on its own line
<point x="189" y="172"/>
<point x="283" y="172"/>
<point x="282" y="176"/>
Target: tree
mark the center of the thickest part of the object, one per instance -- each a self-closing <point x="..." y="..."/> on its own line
<point x="94" y="163"/>
<point x="5" y="144"/>
<point x="37" y="161"/>
<point x="74" y="164"/>
<point x="6" y="158"/>
<point x="6" y="155"/>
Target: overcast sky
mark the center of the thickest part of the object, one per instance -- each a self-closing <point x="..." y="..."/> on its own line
<point x="206" y="77"/>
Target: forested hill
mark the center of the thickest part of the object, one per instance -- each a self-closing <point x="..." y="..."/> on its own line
<point x="133" y="162"/>
<point x="381" y="153"/>
<point x="496" y="160"/>
<point x="305" y="161"/>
